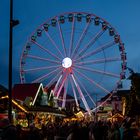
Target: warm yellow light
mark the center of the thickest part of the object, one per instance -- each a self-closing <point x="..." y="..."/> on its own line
<point x="79" y="114"/>
<point x="19" y="106"/>
<point x="13" y="101"/>
<point x="4" y="97"/>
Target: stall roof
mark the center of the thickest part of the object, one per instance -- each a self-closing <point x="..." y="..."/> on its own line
<point x="119" y="93"/>
<point x="21" y="91"/>
<point x="47" y="110"/>
<point x="117" y="115"/>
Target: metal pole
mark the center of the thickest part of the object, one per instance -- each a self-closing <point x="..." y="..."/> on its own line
<point x="10" y="62"/>
<point x="96" y="109"/>
<point x="12" y="24"/>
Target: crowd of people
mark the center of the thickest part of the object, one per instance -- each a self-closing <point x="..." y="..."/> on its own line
<point x="74" y="130"/>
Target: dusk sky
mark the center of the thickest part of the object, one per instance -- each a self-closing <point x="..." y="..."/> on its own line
<point x="123" y="15"/>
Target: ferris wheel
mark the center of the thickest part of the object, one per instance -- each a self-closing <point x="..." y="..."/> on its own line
<point x="80" y="52"/>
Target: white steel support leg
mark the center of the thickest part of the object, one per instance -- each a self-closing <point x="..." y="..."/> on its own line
<point x="56" y="86"/>
<point x="65" y="94"/>
<point x="77" y="104"/>
<point x="62" y="84"/>
<point x="81" y="94"/>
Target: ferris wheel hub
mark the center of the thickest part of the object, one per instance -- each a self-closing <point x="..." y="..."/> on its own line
<point x="67" y="62"/>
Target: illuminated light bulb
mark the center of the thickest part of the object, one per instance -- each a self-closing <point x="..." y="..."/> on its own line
<point x="67" y="62"/>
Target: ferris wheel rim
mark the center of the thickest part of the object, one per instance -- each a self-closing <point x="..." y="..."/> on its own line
<point x="56" y="17"/>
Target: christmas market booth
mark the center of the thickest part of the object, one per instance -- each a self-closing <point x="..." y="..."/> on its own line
<point x="30" y="105"/>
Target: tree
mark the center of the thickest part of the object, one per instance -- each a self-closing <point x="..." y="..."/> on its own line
<point x="133" y="102"/>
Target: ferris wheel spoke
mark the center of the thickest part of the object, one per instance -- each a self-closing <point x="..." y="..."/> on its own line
<point x="82" y="85"/>
<point x="41" y="68"/>
<point x="61" y="86"/>
<point x="90" y="43"/>
<point x="52" y="80"/>
<point x="53" y="42"/>
<point x="62" y="38"/>
<point x="81" y="94"/>
<point x="74" y="92"/>
<point x="65" y="94"/>
<point x="99" y="71"/>
<point x="98" y="61"/>
<point x="98" y="50"/>
<point x="41" y="78"/>
<point x="80" y="40"/>
<point x="92" y="81"/>
<point x="45" y="49"/>
<point x="71" y="38"/>
<point x="44" y="59"/>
